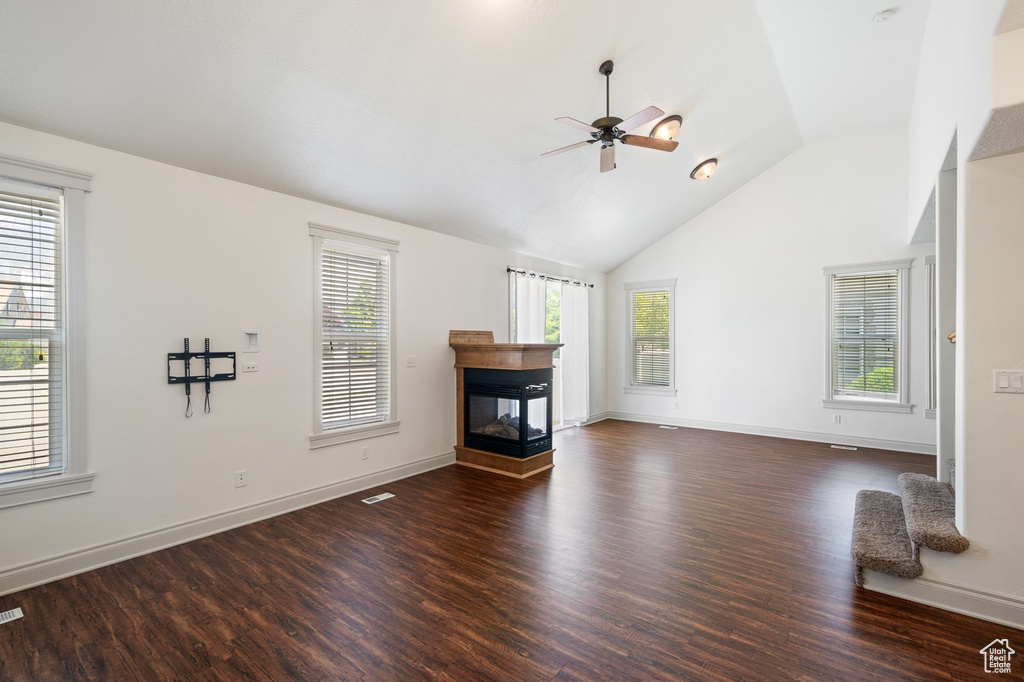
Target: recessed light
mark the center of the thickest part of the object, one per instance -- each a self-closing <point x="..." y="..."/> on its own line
<point x="886" y="14"/>
<point x="667" y="128"/>
<point x="704" y="170"/>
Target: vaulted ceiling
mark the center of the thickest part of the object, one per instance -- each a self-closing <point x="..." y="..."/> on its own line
<point x="435" y="113"/>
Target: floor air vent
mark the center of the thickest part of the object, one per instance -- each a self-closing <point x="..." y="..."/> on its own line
<point x="842" y="447"/>
<point x="378" y="498"/>
<point x="13" y="614"/>
<point x="670" y="428"/>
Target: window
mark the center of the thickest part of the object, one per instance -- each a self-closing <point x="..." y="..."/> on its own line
<point x="355" y="396"/>
<point x="650" y="338"/>
<point x="40" y="453"/>
<point x="867" y="367"/>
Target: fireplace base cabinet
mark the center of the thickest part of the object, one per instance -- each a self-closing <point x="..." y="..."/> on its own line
<point x="503" y="404"/>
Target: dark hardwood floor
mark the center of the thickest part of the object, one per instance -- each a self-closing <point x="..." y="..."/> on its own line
<point x="645" y="554"/>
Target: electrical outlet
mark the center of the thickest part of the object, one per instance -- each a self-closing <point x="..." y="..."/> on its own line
<point x="597" y="403"/>
<point x="410" y="360"/>
<point x="837" y="419"/>
<point x="675" y="405"/>
<point x="241" y="478"/>
<point x="366" y="452"/>
<point x="250" y="366"/>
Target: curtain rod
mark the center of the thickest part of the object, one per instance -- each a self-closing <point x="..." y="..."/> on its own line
<point x="551" y="278"/>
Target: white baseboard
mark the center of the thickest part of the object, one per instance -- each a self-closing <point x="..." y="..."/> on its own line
<point x="997" y="608"/>
<point x="594" y="418"/>
<point x="72" y="563"/>
<point x="838" y="439"/>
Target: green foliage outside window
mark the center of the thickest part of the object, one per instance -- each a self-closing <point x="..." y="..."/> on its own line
<point x="553" y="317"/>
<point x="17" y="354"/>
<point x="879" y="380"/>
<point x="651" y="314"/>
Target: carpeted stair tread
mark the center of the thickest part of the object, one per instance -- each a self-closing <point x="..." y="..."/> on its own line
<point x="930" y="510"/>
<point x="880" y="539"/>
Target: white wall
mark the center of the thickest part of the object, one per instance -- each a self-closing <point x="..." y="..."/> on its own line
<point x="991" y="476"/>
<point x="953" y="91"/>
<point x="750" y="310"/>
<point x="173" y="253"/>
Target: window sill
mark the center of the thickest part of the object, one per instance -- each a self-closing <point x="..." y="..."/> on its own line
<point x="650" y="390"/>
<point x="41" y="489"/>
<point x="353" y="433"/>
<point x="867" y="405"/>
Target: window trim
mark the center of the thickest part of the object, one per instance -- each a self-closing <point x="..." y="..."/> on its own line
<point x="931" y="410"/>
<point x="902" y="403"/>
<point x="319" y="438"/>
<point x="651" y="285"/>
<point x="76" y="478"/>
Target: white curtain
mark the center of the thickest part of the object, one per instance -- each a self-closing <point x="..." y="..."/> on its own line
<point x="530" y="297"/>
<point x="575" y="354"/>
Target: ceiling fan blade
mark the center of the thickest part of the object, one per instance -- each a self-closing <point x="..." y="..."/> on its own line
<point x="640" y="118"/>
<point x="577" y="124"/>
<point x="650" y="142"/>
<point x="608" y="158"/>
<point x="561" y="150"/>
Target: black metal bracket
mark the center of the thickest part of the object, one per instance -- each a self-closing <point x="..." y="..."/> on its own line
<point x="206" y="378"/>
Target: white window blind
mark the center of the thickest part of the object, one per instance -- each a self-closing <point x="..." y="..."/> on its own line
<point x="650" y="329"/>
<point x="32" y="386"/>
<point x="866" y="335"/>
<point x="356" y="336"/>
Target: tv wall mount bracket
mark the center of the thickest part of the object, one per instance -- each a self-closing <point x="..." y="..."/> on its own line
<point x="205" y="378"/>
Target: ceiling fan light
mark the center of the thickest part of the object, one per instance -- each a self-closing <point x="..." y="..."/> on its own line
<point x="704" y="170"/>
<point x="667" y="128"/>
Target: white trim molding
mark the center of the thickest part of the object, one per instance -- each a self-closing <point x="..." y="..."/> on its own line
<point x="44" y="174"/>
<point x="866" y="405"/>
<point x="320" y="438"/>
<point x="771" y="432"/>
<point x="349" y="237"/>
<point x="76" y="478"/>
<point x="651" y="390"/>
<point x="902" y="401"/>
<point x="933" y="394"/>
<point x="996" y="608"/>
<point x="34" y="573"/>
<point x="351" y="434"/>
<point x="46" y="488"/>
<point x="651" y="285"/>
<point x="866" y="268"/>
<point x="594" y="418"/>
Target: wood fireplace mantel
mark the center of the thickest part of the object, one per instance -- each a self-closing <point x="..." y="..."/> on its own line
<point x="477" y="350"/>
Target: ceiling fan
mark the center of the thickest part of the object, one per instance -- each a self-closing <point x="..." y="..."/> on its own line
<point x="610" y="128"/>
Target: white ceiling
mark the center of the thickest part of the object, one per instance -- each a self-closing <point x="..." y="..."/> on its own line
<point x="436" y="113"/>
<point x="844" y="71"/>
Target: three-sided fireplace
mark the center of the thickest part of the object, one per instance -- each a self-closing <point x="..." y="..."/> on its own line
<point x="503" y="403"/>
<point x="508" y="411"/>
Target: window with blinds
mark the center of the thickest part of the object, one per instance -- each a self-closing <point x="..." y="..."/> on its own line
<point x="32" y="405"/>
<point x="865" y="339"/>
<point x="650" y="338"/>
<point x="355" y="292"/>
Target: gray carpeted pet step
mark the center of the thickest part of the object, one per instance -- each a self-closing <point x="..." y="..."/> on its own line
<point x="930" y="510"/>
<point x="880" y="540"/>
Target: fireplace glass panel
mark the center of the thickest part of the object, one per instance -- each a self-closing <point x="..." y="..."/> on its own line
<point x="537" y="417"/>
<point x="498" y="417"/>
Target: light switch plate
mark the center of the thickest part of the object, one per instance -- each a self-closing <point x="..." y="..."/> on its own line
<point x="1008" y="381"/>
